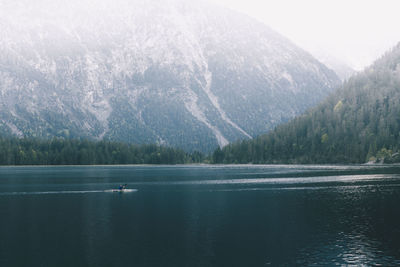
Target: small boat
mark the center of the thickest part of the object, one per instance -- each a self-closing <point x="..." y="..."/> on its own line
<point x="122" y="189"/>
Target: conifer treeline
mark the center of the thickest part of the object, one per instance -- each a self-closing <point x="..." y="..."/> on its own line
<point x="358" y="123"/>
<point x="14" y="151"/>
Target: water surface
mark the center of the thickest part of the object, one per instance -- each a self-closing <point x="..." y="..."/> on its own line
<point x="200" y="216"/>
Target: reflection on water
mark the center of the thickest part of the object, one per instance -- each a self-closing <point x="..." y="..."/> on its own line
<point x="357" y="230"/>
<point x="200" y="216"/>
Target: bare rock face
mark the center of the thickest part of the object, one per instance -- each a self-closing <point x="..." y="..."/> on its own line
<point x="185" y="74"/>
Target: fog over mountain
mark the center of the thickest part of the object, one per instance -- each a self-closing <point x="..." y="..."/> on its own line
<point x="355" y="32"/>
<point x="185" y="74"/>
<point x="342" y="70"/>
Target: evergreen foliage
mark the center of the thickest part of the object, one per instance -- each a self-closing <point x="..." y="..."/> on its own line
<point x="358" y="123"/>
<point x="14" y="151"/>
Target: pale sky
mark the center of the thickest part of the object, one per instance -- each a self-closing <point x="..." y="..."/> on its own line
<point x="353" y="31"/>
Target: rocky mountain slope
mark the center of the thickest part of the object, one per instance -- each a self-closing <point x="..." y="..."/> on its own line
<point x="180" y="73"/>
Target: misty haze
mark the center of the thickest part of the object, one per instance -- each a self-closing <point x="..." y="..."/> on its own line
<point x="199" y="133"/>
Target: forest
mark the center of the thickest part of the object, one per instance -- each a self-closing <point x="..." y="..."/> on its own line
<point x="358" y="123"/>
<point x="58" y="151"/>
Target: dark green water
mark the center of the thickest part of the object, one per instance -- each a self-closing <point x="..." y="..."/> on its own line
<point x="200" y="216"/>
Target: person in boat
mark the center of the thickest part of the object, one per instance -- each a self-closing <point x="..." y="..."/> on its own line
<point x="122" y="187"/>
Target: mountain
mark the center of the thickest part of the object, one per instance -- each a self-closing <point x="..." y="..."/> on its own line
<point x="179" y="73"/>
<point x="342" y="70"/>
<point x="360" y="122"/>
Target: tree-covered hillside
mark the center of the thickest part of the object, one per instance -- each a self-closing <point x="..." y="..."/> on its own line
<point x="357" y="123"/>
<point x="14" y="151"/>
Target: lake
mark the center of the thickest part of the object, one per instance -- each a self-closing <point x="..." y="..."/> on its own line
<point x="267" y="215"/>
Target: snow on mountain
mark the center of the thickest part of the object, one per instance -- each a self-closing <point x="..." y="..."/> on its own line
<point x="180" y="73"/>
